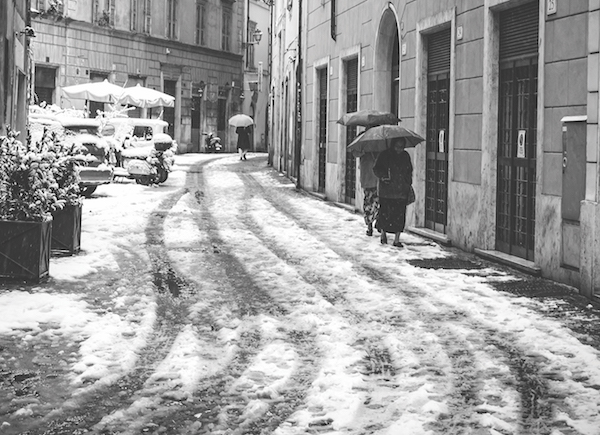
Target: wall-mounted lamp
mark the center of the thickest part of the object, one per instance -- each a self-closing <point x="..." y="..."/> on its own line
<point x="168" y="51"/>
<point x="292" y="54"/>
<point x="28" y="32"/>
<point x="257" y="36"/>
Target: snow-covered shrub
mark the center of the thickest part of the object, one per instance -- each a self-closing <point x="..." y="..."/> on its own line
<point x="36" y="179"/>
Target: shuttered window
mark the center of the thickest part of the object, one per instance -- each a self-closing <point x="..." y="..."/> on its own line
<point x="519" y="31"/>
<point x="351" y="106"/>
<point x="438" y="59"/>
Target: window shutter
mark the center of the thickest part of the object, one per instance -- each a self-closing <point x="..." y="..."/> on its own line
<point x="519" y="31"/>
<point x="438" y="52"/>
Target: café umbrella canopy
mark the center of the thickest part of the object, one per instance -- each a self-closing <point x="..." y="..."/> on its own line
<point x="380" y="138"/>
<point x="103" y="92"/>
<point x="141" y="96"/>
<point x="240" y="120"/>
<point x="368" y="118"/>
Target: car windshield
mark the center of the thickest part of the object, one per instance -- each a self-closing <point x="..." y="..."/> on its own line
<point x="142" y="132"/>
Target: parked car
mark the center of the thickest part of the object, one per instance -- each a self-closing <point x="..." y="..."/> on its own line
<point x="142" y="149"/>
<point x="86" y="132"/>
<point x="94" y="169"/>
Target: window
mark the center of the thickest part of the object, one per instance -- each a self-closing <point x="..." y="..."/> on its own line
<point x="226" y="30"/>
<point x="103" y="12"/>
<point x="147" y="15"/>
<point x="200" y="22"/>
<point x="134" y="15"/>
<point x="250" y="47"/>
<point x="333" y="20"/>
<point x="45" y="83"/>
<point x="172" y="19"/>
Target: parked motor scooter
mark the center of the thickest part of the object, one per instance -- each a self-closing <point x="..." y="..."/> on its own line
<point x="153" y="169"/>
<point x="148" y="165"/>
<point x="212" y="143"/>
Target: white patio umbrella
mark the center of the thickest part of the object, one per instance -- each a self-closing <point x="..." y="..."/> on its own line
<point x="143" y="97"/>
<point x="104" y="92"/>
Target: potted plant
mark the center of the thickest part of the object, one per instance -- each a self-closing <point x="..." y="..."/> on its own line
<point x="66" y="216"/>
<point x="27" y="198"/>
<point x="35" y="181"/>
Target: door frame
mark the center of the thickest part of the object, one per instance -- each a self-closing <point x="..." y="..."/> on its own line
<point x="427" y="26"/>
<point x="489" y="129"/>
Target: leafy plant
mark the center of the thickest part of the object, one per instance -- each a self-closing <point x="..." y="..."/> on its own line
<point x="36" y="179"/>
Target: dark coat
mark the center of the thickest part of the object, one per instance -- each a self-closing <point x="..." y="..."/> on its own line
<point x="394" y="173"/>
<point x="243" y="138"/>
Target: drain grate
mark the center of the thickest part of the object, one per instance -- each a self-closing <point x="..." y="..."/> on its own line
<point x="535" y="287"/>
<point x="446" y="263"/>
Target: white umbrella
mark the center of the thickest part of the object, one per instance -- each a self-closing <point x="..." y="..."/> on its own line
<point x="104" y="92"/>
<point x="240" y="120"/>
<point x="143" y="97"/>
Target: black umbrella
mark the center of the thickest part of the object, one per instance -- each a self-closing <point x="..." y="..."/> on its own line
<point x="379" y="138"/>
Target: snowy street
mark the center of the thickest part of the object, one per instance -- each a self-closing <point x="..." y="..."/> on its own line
<point x="226" y="302"/>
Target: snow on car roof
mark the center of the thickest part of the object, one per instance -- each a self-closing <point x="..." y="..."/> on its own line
<point x="73" y="121"/>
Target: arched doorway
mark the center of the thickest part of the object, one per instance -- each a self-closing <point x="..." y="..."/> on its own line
<point x="386" y="66"/>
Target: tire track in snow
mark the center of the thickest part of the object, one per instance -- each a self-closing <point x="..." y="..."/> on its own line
<point x="524" y="384"/>
<point x="465" y="401"/>
<point x="171" y="313"/>
<point x="246" y="300"/>
<point x="377" y="363"/>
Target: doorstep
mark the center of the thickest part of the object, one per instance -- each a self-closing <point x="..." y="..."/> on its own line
<point x="510" y="260"/>
<point x="430" y="234"/>
<point x="345" y="206"/>
<point x="318" y="195"/>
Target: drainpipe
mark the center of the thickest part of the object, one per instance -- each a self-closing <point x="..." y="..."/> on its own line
<point x="298" y="150"/>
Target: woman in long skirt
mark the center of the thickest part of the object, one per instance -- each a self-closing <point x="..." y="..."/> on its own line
<point x="393" y="169"/>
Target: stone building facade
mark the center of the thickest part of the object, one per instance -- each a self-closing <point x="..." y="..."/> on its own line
<point x="189" y="49"/>
<point x="15" y="38"/>
<point x="505" y="93"/>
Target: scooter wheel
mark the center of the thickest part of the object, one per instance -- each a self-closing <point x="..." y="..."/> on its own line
<point x="162" y="175"/>
<point x="144" y="180"/>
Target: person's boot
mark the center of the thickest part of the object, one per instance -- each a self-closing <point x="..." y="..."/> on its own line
<point x="369" y="230"/>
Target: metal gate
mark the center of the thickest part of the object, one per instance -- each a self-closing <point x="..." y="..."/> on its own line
<point x="438" y="106"/>
<point x="517" y="125"/>
<point x="322" y="127"/>
<point x="351" y="106"/>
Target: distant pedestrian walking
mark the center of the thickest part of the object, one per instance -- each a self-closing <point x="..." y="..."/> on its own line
<point x="393" y="169"/>
<point x="243" y="143"/>
<point x="368" y="182"/>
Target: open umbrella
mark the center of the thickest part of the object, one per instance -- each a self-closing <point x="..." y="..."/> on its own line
<point x="104" y="92"/>
<point x="240" y="120"/>
<point x="368" y="118"/>
<point x="379" y="138"/>
<point x="143" y="97"/>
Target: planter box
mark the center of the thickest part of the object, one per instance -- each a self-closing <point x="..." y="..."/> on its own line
<point x="66" y="230"/>
<point x="25" y="250"/>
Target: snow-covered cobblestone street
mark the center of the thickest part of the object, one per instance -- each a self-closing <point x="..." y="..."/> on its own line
<point x="226" y="302"/>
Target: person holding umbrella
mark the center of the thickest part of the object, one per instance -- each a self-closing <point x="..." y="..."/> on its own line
<point x="243" y="143"/>
<point x="243" y="127"/>
<point x="393" y="168"/>
<point x="368" y="118"/>
<point x="368" y="182"/>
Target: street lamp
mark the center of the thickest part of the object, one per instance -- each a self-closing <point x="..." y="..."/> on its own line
<point x="257" y="36"/>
